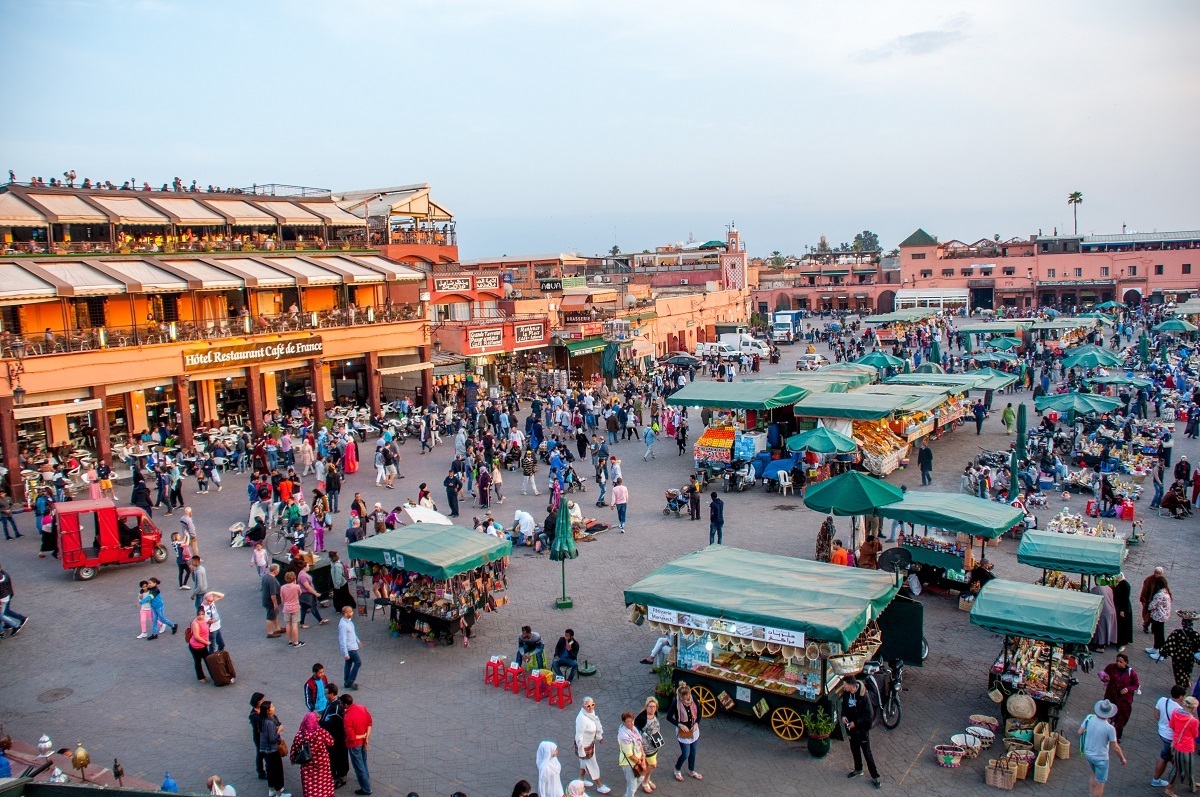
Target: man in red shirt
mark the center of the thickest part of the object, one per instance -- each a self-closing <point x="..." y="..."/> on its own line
<point x="358" y="739"/>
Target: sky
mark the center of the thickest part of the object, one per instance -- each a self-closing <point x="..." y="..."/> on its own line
<point x="568" y="125"/>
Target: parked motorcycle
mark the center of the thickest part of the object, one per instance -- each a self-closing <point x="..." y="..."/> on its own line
<point x="739" y="476"/>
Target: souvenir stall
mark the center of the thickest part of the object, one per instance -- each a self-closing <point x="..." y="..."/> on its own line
<point x="438" y="578"/>
<point x="927" y="409"/>
<point x="1061" y="554"/>
<point x="1042" y="629"/>
<point x="765" y="636"/>
<point x="947" y="561"/>
<point x="863" y="417"/>
<point x="746" y="416"/>
<point x="895" y="326"/>
<point x="1067" y="523"/>
<point x="977" y="335"/>
<point x="1061" y="334"/>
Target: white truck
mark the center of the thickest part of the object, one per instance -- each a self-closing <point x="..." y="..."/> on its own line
<point x="785" y="326"/>
<point x="746" y="344"/>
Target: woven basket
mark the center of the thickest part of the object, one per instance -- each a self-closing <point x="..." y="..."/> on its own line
<point x="1023" y="707"/>
<point x="1062" y="748"/>
<point x="1014" y="745"/>
<point x="1040" y="731"/>
<point x="1041" y="766"/>
<point x="949" y="756"/>
<point x="969" y="744"/>
<point x="1049" y="745"/>
<point x="848" y="663"/>
<point x="985" y="737"/>
<point x="984" y="721"/>
<point x="965" y="603"/>
<point x="1001" y="774"/>
<point x="1024" y="760"/>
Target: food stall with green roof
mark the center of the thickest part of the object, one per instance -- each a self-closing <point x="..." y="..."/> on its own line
<point x="1057" y="553"/>
<point x="762" y="635"/>
<point x="862" y="416"/>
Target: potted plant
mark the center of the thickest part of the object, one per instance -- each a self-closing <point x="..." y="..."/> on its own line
<point x="664" y="690"/>
<point x="819" y="726"/>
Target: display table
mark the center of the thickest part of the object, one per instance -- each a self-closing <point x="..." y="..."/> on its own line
<point x="926" y="556"/>
<point x="322" y="574"/>
<point x="410" y="621"/>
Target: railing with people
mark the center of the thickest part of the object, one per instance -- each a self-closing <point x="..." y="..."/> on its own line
<point x="111" y="337"/>
<point x="13" y="248"/>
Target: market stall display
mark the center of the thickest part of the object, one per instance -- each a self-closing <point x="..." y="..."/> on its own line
<point x="443" y="576"/>
<point x="926" y="409"/>
<point x="1041" y="626"/>
<point x="762" y="635"/>
<point x="715" y="446"/>
<point x="1067" y="523"/>
<point x="864" y="415"/>
<point x="1080" y="554"/>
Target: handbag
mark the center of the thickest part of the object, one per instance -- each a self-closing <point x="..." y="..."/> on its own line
<point x="585" y="752"/>
<point x="639" y="766"/>
<point x="282" y="747"/>
<point x="652" y="742"/>
<point x="302" y="754"/>
<point x="690" y="733"/>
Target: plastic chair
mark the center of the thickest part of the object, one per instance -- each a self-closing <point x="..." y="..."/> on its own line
<point x="785" y="483"/>
<point x="536" y="688"/>
<point x="377" y="603"/>
<point x="493" y="673"/>
<point x="560" y="694"/>
<point x="514" y="679"/>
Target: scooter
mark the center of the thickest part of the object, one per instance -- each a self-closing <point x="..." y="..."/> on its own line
<point x="739" y="476"/>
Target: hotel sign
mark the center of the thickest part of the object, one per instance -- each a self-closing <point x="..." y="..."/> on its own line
<point x="529" y="333"/>
<point x="485" y="338"/>
<point x="452" y="284"/>
<point x="251" y="354"/>
<point x="487" y="283"/>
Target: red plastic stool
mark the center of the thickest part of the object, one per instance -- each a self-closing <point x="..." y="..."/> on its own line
<point x="1092" y="509"/>
<point x="493" y="673"/>
<point x="514" y="679"/>
<point x="560" y="694"/>
<point x="536" y="688"/>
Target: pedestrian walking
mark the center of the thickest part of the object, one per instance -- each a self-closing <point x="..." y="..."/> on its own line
<point x="684" y="714"/>
<point x="1144" y="597"/>
<point x="589" y="732"/>
<point x="693" y="496"/>
<point x="979" y="412"/>
<point x="358" y="741"/>
<point x="925" y="463"/>
<point x="1099" y="738"/>
<point x="620" y="502"/>
<point x="310" y="750"/>
<point x="198" y="642"/>
<point x="857" y="715"/>
<point x="1183" y="745"/>
<point x="158" y="611"/>
<point x="269" y="588"/>
<point x="332" y="720"/>
<point x="549" y="770"/>
<point x="339" y="574"/>
<point x="648" y="723"/>
<point x="1164" y="709"/>
<point x="6" y="517"/>
<point x="310" y="599"/>
<point x="648" y="437"/>
<point x="528" y="471"/>
<point x="716" y="519"/>
<point x="272" y="747"/>
<point x="632" y="756"/>
<point x="1160" y="611"/>
<point x="1121" y="684"/>
<point x="453" y="485"/>
<point x="7" y="616"/>
<point x="1008" y="418"/>
<point x="1122" y="599"/>
<point x="289" y="598"/>
<point x="349" y="644"/>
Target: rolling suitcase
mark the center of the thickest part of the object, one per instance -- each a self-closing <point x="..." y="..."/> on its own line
<point x="220" y="668"/>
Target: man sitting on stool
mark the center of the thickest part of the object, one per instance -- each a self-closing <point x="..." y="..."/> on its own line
<point x="566" y="656"/>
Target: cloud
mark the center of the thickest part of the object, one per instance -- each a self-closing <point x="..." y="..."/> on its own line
<point x="924" y="42"/>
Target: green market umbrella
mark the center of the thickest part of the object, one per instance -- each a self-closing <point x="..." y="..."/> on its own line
<point x="994" y="357"/>
<point x="929" y="367"/>
<point x="1144" y="348"/>
<point x="907" y="367"/>
<point x="880" y="360"/>
<point x="563" y="549"/>
<point x="1005" y="343"/>
<point x="1108" y="306"/>
<point x="1091" y="359"/>
<point x="1174" y="325"/>
<point x="1014" y="475"/>
<point x="823" y="441"/>
<point x="1078" y="403"/>
<point x="850" y="494"/>
<point x="1102" y="317"/>
<point x="1022" y="425"/>
<point x="935" y="352"/>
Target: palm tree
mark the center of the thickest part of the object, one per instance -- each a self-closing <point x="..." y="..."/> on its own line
<point x="1075" y="199"/>
<point x="616" y="250"/>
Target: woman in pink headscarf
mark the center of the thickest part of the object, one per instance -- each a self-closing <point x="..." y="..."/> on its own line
<point x="315" y="776"/>
<point x="93" y="483"/>
<point x="350" y="458"/>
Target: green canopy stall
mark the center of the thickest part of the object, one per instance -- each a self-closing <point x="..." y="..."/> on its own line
<point x="749" y="395"/>
<point x="821" y="440"/>
<point x="1038" y="624"/>
<point x="880" y="360"/>
<point x="855" y="406"/>
<point x="451" y="574"/>
<point x="1072" y="553"/>
<point x="763" y="635"/>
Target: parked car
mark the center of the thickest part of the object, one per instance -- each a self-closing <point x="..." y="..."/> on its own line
<point x="723" y="350"/>
<point x="811" y="362"/>
<point x="682" y="359"/>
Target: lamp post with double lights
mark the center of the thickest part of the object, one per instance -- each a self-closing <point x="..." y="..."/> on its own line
<point x="16" y="367"/>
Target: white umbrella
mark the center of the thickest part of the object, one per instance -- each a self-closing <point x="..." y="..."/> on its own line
<point x="413" y="513"/>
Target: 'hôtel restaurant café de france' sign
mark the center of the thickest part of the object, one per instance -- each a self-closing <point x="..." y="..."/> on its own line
<point x="251" y="354"/>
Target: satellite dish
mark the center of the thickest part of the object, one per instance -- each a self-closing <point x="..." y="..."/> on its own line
<point x="894" y="560"/>
<point x="630" y="300"/>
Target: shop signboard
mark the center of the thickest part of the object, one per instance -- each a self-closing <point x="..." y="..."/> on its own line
<point x="700" y="622"/>
<point x="529" y="333"/>
<point x="485" y="338"/>
<point x="574" y="282"/>
<point x="577" y="316"/>
<point x="550" y="285"/>
<point x="252" y="353"/>
<point x="487" y="283"/>
<point x="452" y="284"/>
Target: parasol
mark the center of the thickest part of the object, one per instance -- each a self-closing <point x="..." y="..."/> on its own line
<point x="1174" y="325"/>
<point x="1022" y="424"/>
<point x="563" y="549"/>
<point x="880" y="360"/>
<point x="822" y="440"/>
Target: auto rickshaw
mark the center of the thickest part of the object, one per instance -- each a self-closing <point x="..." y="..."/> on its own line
<point x="93" y="534"/>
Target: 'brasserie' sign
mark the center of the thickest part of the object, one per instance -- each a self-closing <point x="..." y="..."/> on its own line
<point x="252" y="353"/>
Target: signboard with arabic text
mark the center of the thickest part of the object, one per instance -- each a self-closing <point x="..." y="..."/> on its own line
<point x="452" y="284"/>
<point x="700" y="622"/>
<point x="487" y="283"/>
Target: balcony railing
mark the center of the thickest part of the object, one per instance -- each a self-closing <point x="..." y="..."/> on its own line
<point x="108" y="248"/>
<point x="113" y="337"/>
<point x="446" y="237"/>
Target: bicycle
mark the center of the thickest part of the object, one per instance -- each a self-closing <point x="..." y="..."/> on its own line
<point x="281" y="540"/>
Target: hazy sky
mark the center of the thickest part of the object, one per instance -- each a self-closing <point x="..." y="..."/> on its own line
<point x="571" y="125"/>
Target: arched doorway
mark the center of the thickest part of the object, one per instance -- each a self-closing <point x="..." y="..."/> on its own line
<point x="1132" y="297"/>
<point x="886" y="303"/>
<point x="783" y="302"/>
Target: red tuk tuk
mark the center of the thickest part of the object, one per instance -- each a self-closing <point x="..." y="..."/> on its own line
<point x="116" y="535"/>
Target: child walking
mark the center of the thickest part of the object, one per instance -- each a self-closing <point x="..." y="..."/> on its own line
<point x="145" y="613"/>
<point x="258" y="557"/>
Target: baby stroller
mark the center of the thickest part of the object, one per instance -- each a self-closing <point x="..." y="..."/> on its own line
<point x="675" y="502"/>
<point x="512" y="460"/>
<point x="574" y="482"/>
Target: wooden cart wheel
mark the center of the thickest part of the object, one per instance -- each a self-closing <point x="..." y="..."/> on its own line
<point x="787" y="723"/>
<point x="706" y="700"/>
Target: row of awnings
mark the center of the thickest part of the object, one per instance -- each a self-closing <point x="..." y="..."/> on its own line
<point x="27" y="207"/>
<point x="35" y="279"/>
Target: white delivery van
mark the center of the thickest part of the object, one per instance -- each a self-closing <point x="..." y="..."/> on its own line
<point x="746" y="344"/>
<point x="723" y="350"/>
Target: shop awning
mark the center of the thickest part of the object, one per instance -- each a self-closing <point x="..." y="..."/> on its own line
<point x="360" y="274"/>
<point x="47" y="410"/>
<point x="18" y="286"/>
<point x="835" y="272"/>
<point x="440" y="552"/>
<point x="127" y="210"/>
<point x="1061" y="324"/>
<point x="239" y="213"/>
<point x="956" y="512"/>
<point x="824" y="602"/>
<point x="575" y="300"/>
<point x="944" y="295"/>
<point x="761" y="395"/>
<point x="991" y="379"/>
<point x="151" y="278"/>
<point x="640" y="347"/>
<point x="1001" y="327"/>
<point x="333" y="215"/>
<point x="187" y="212"/>
<point x="392" y="271"/>
<point x="205" y="277"/>
<point x="82" y="279"/>
<point x="576" y="348"/>
<point x="854" y="405"/>
<point x="266" y="276"/>
<point x="307" y="270"/>
<point x="1045" y="613"/>
<point x="291" y="214"/>
<point x="405" y="369"/>
<point x="69" y="209"/>
<point x="1072" y="553"/>
<point x="15" y="213"/>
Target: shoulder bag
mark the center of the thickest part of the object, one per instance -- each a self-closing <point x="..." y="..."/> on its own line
<point x="585" y="752"/>
<point x="301" y="753"/>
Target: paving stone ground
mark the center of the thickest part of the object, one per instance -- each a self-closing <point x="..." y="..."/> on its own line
<point x="78" y="674"/>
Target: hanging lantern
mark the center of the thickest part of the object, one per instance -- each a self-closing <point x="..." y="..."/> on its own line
<point x="80" y="760"/>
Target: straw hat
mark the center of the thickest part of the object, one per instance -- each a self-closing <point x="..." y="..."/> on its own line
<point x="1021" y="707"/>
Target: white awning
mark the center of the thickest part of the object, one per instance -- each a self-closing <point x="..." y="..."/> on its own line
<point x="361" y="273"/>
<point x="267" y="277"/>
<point x="70" y="209"/>
<point x="396" y="272"/>
<point x="945" y="294"/>
<point x="316" y="275"/>
<point x="241" y="213"/>
<point x="151" y="278"/>
<point x="18" y="286"/>
<point x="46" y="410"/>
<point x="405" y="369"/>
<point x="15" y="213"/>
<point x="211" y="278"/>
<point x="86" y="280"/>
<point x="333" y="215"/>
<point x="188" y="211"/>
<point x="291" y="214"/>
<point x="131" y="211"/>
